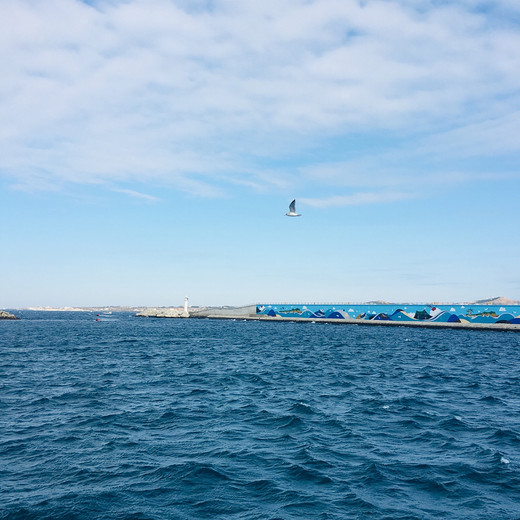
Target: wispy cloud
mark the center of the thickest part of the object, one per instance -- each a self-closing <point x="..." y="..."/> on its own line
<point x="136" y="194"/>
<point x="356" y="199"/>
<point x="201" y="97"/>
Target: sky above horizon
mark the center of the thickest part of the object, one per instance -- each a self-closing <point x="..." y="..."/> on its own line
<point x="150" y="149"/>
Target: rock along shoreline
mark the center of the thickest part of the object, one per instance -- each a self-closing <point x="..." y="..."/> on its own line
<point x="4" y="315"/>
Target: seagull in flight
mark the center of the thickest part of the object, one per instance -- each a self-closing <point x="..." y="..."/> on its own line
<point x="292" y="210"/>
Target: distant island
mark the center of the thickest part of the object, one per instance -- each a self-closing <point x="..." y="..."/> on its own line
<point x="499" y="300"/>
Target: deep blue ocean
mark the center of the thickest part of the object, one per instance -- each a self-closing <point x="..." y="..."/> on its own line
<point x="140" y="418"/>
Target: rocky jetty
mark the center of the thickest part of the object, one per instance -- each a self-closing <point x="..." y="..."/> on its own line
<point x="163" y="312"/>
<point x="4" y="315"/>
<point x="196" y="312"/>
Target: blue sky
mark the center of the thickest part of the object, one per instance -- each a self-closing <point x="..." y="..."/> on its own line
<point x="149" y="150"/>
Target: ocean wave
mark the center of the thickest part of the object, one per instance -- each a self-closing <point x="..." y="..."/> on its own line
<point x="246" y="421"/>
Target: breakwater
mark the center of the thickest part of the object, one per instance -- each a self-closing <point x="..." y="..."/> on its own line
<point x="399" y="312"/>
<point x="376" y="323"/>
<point x="451" y="316"/>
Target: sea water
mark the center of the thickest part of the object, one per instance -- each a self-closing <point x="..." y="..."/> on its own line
<point x="139" y="418"/>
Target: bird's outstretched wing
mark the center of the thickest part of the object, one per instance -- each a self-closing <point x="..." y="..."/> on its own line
<point x="292" y="210"/>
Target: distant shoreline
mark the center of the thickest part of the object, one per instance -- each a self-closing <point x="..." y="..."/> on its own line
<point x="500" y="300"/>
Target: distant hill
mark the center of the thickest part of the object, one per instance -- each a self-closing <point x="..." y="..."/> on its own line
<point x="499" y="300"/>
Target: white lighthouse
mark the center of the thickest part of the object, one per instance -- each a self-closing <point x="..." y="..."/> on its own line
<point x="186" y="305"/>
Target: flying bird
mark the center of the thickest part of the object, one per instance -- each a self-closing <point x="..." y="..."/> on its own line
<point x="292" y="210"/>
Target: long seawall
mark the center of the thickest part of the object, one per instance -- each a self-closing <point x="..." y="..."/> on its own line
<point x="451" y="316"/>
<point x="362" y="323"/>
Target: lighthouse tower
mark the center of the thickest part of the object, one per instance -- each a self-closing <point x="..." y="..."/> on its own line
<point x="186" y="305"/>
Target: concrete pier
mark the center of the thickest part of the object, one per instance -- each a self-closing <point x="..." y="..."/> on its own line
<point x="369" y="323"/>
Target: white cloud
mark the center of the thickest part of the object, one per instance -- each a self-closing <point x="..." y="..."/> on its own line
<point x="136" y="194"/>
<point x="494" y="136"/>
<point x="356" y="199"/>
<point x="176" y="93"/>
